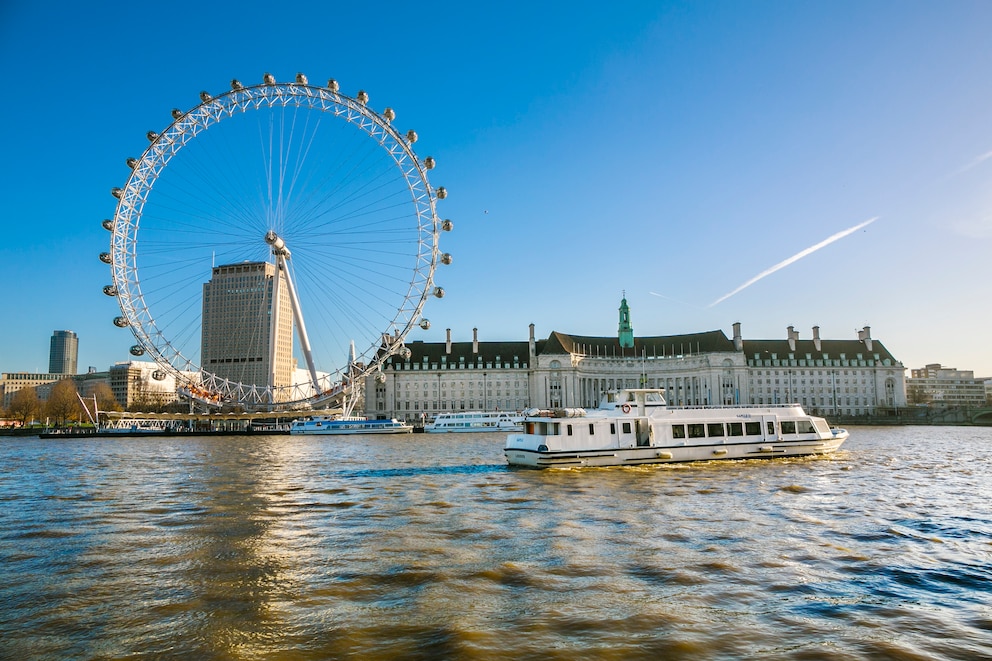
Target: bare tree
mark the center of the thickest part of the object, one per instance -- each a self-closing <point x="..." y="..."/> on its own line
<point x="24" y="406"/>
<point x="63" y="402"/>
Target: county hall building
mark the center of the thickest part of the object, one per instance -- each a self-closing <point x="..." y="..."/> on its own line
<point x="856" y="377"/>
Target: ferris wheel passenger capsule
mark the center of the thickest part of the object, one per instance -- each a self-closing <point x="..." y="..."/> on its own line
<point x="362" y="97"/>
<point x="439" y="292"/>
<point x="116" y="192"/>
<point x="447" y="225"/>
<point x="446" y="258"/>
<point x="121" y="322"/>
<point x="236" y="85"/>
<point x="110" y="290"/>
<point x="442" y="192"/>
<point x="177" y="113"/>
<point x="152" y="136"/>
<point x="429" y="162"/>
<point x="301" y="79"/>
<point x="137" y="350"/>
<point x="106" y="258"/>
<point x="131" y="162"/>
<point x="406" y="353"/>
<point x="205" y="97"/>
<point x="425" y="324"/>
<point x="333" y="85"/>
<point x="269" y="79"/>
<point x="411" y="136"/>
<point x="108" y="224"/>
<point x="158" y="375"/>
<point x="389" y="114"/>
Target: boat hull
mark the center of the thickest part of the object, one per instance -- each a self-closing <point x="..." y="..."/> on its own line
<point x="518" y="453"/>
<point x="350" y="432"/>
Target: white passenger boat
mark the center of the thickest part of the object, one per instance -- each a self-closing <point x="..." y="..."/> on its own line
<point x="325" y="424"/>
<point x="635" y="426"/>
<point x="476" y="421"/>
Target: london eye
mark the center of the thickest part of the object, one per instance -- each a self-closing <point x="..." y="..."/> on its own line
<point x="275" y="243"/>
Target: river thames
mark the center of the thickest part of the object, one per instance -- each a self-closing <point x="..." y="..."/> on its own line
<point x="429" y="546"/>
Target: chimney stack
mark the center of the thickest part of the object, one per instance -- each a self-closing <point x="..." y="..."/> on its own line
<point x="475" y="340"/>
<point x="793" y="336"/>
<point x="531" y="345"/>
<point x="447" y="345"/>
<point x="816" y="337"/>
<point x="738" y="340"/>
<point x="865" y="336"/>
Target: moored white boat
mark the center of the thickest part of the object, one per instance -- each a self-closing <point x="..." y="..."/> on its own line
<point x="325" y="424"/>
<point x="637" y="427"/>
<point x="475" y="421"/>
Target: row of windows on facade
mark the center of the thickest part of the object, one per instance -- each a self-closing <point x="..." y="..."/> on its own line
<point x="811" y="373"/>
<point x="460" y="365"/>
<point x="462" y="384"/>
<point x="458" y="405"/>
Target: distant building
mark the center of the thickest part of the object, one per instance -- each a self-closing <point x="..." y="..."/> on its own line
<point x="64" y="352"/>
<point x="935" y="385"/>
<point x="11" y="382"/>
<point x="856" y="377"/>
<point x="141" y="383"/>
<point x="247" y="327"/>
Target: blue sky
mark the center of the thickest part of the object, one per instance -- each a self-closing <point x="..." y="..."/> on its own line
<point x="672" y="151"/>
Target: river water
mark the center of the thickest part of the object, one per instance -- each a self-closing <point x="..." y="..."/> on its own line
<point x="429" y="546"/>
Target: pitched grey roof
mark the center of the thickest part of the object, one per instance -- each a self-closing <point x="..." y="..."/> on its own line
<point x="433" y="351"/>
<point x="829" y="350"/>
<point x="660" y="345"/>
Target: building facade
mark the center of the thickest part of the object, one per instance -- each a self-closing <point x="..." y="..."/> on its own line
<point x="856" y="377"/>
<point x="63" y="354"/>
<point x="247" y="325"/>
<point x="936" y="385"/>
<point x="440" y="377"/>
<point x="141" y="384"/>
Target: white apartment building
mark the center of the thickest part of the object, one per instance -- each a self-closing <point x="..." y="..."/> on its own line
<point x="941" y="386"/>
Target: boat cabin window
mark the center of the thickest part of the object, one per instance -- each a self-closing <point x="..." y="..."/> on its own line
<point x="569" y="429"/>
<point x="788" y="426"/>
<point x="771" y="428"/>
<point x="592" y="429"/>
<point x="697" y="430"/>
<point x="613" y="428"/>
<point x="735" y="429"/>
<point x="752" y="428"/>
<point x="804" y="427"/>
<point x="678" y="431"/>
<point x="626" y="427"/>
<point x="714" y="429"/>
<point x="822" y="426"/>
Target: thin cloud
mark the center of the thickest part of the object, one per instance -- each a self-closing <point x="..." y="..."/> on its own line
<point x="669" y="298"/>
<point x="975" y="162"/>
<point x="795" y="258"/>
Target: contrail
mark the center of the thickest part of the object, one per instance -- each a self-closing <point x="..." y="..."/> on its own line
<point x="795" y="258"/>
<point x="975" y="162"/>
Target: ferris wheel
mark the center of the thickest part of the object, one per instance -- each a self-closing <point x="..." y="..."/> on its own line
<point x="275" y="244"/>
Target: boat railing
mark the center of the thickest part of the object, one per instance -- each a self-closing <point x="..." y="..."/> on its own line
<point x="689" y="407"/>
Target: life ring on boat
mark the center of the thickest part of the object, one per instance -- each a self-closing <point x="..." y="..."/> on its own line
<point x="625" y="408"/>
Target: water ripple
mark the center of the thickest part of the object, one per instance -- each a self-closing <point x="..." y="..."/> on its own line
<point x="316" y="548"/>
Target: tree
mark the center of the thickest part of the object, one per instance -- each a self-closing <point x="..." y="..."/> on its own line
<point x="24" y="406"/>
<point x="105" y="400"/>
<point x="63" y="402"/>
